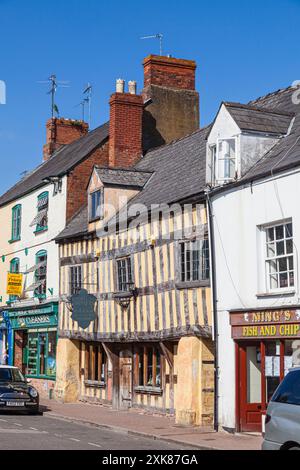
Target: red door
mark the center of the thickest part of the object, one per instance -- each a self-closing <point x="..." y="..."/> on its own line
<point x="249" y="387"/>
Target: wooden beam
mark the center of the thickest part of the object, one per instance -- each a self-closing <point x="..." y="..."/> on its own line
<point x="167" y="353"/>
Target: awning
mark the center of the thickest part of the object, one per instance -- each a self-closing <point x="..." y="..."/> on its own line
<point x="39" y="217"/>
<point x="37" y="266"/>
<point x="34" y="286"/>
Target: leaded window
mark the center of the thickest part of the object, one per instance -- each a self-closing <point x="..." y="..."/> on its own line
<point x="124" y="272"/>
<point x="75" y="279"/>
<point x="194" y="260"/>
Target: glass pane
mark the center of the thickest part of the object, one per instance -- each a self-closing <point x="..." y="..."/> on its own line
<point x="51" y="358"/>
<point x="282" y="264"/>
<point x="271" y="250"/>
<point x="291" y="263"/>
<point x="292" y="280"/>
<point x="43" y="353"/>
<point x="280" y="248"/>
<point x="150" y="368"/>
<point x="272" y="367"/>
<point x="270" y="234"/>
<point x="273" y="281"/>
<point x="288" y="355"/>
<point x="289" y="246"/>
<point x="279" y="232"/>
<point x="283" y="279"/>
<point x="289" y="230"/>
<point x="253" y="374"/>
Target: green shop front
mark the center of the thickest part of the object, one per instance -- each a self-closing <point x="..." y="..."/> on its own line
<point x="33" y="341"/>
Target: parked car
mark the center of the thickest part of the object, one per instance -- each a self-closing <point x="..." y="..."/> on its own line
<point x="282" y="430"/>
<point x="16" y="393"/>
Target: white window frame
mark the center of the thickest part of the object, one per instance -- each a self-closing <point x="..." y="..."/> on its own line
<point x="266" y="259"/>
<point x="218" y="178"/>
<point x="90" y="205"/>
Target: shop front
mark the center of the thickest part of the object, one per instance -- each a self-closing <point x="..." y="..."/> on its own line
<point x="267" y="346"/>
<point x="3" y="346"/>
<point x="33" y="342"/>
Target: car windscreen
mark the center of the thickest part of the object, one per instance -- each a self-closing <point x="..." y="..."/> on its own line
<point x="17" y="376"/>
<point x="5" y="375"/>
<point x="289" y="389"/>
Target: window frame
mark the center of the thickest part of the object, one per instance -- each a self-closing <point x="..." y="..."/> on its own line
<point x="224" y="179"/>
<point x="16" y="222"/>
<point x="201" y="281"/>
<point x="38" y="374"/>
<point x="42" y="228"/>
<point x="95" y="217"/>
<point x="92" y="372"/>
<point x="143" y="371"/>
<point x="267" y="259"/>
<point x="128" y="281"/>
<point x="80" y="284"/>
<point x="40" y="254"/>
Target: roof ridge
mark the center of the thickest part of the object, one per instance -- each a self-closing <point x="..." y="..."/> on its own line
<point x="257" y="108"/>
<point x="132" y="170"/>
<point x="273" y="93"/>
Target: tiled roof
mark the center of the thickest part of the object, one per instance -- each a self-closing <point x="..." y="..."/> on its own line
<point x="58" y="165"/>
<point x="123" y="177"/>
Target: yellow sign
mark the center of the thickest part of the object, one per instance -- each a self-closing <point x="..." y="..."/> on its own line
<point x="14" y="284"/>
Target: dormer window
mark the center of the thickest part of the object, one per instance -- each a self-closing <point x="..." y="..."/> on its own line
<point x="226" y="168"/>
<point x="96" y="205"/>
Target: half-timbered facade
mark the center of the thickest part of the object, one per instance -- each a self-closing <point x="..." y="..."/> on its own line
<point x="135" y="311"/>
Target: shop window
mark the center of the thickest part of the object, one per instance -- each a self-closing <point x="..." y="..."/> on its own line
<point x="95" y="363"/>
<point x="194" y="260"/>
<point x="41" y="219"/>
<point x="96" y="205"/>
<point x="149" y="366"/>
<point x="124" y="274"/>
<point x="14" y="268"/>
<point x="75" y="279"/>
<point x="41" y="355"/>
<point x="16" y="223"/>
<point x="280" y="257"/>
<point x="41" y="274"/>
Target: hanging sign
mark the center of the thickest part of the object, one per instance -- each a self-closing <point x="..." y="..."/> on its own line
<point x="14" y="284"/>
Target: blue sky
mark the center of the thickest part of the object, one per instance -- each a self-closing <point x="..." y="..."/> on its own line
<point x="244" y="49"/>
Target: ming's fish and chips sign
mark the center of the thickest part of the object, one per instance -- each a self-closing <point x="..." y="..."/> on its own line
<point x="265" y="324"/>
<point x="14" y="284"/>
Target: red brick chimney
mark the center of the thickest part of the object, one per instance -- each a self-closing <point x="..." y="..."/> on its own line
<point x="125" y="126"/>
<point x="61" y="132"/>
<point x="169" y="72"/>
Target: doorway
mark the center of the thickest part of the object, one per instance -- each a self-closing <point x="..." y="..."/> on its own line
<point x="261" y="366"/>
<point x="125" y="385"/>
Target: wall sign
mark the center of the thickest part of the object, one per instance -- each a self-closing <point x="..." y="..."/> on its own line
<point x="14" y="284"/>
<point x="265" y="324"/>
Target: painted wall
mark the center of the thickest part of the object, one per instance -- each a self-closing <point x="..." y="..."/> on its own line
<point x="238" y="216"/>
<point x="31" y="241"/>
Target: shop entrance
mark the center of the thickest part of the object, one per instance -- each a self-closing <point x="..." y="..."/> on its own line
<point x="261" y="366"/>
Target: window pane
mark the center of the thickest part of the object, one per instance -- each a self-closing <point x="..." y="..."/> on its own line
<point x="271" y="250"/>
<point x="282" y="262"/>
<point x="289" y="246"/>
<point x="283" y="280"/>
<point x="279" y="232"/>
<point x="280" y="248"/>
<point x="270" y="234"/>
<point x="289" y="230"/>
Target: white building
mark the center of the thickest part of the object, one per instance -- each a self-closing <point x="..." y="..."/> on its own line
<point x="253" y="168"/>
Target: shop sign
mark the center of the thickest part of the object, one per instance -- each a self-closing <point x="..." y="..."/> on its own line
<point x="14" y="284"/>
<point x="34" y="321"/>
<point x="266" y="324"/>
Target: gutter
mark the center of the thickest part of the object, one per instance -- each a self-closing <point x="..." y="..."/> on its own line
<point x="215" y="312"/>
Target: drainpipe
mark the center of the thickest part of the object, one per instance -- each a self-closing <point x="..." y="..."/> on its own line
<point x="215" y="311"/>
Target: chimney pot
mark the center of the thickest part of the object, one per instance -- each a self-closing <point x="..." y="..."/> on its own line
<point x="120" y="85"/>
<point x="132" y="87"/>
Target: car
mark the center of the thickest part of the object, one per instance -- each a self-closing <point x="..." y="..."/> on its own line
<point x="16" y="393"/>
<point x="282" y="424"/>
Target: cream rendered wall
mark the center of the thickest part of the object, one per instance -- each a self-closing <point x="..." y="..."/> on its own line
<point x="34" y="242"/>
<point x="238" y="214"/>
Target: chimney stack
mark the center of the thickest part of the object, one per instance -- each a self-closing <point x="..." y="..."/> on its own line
<point x="125" y="127"/>
<point x="132" y="87"/>
<point x="171" y="101"/>
<point x="61" y="132"/>
<point x="120" y="85"/>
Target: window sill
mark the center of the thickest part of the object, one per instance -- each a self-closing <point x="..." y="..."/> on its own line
<point x="149" y="390"/>
<point x="280" y="293"/>
<point x="40" y="377"/>
<point x="14" y="240"/>
<point x="94" y="384"/>
<point x="122" y="295"/>
<point x="40" y="230"/>
<point x="192" y="284"/>
<point x="96" y="219"/>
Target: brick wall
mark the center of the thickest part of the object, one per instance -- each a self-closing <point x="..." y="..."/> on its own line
<point x="169" y="72"/>
<point x="79" y="178"/>
<point x="125" y="129"/>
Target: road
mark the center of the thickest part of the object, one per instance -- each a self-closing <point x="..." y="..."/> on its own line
<point x="23" y="432"/>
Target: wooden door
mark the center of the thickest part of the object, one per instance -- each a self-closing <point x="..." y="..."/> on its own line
<point x="125" y="384"/>
<point x="249" y="387"/>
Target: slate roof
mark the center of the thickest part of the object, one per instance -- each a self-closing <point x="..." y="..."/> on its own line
<point x="58" y="165"/>
<point x="179" y="167"/>
<point x="251" y="118"/>
<point x="123" y="177"/>
<point x="178" y="171"/>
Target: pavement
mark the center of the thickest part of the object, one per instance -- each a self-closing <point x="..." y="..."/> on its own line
<point x="151" y="426"/>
